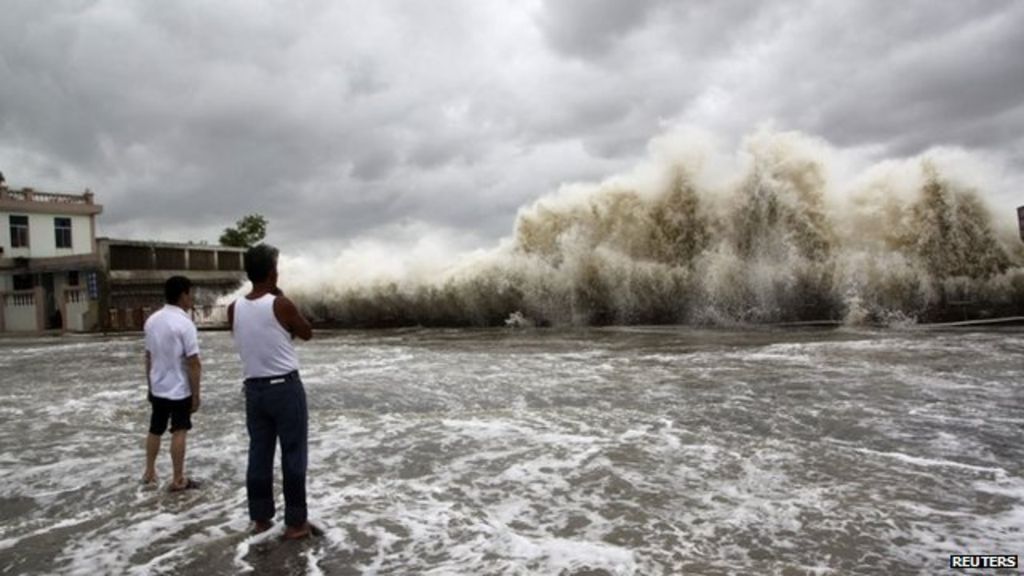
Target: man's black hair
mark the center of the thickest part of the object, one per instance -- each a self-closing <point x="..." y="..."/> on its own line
<point x="260" y="261"/>
<point x="175" y="287"/>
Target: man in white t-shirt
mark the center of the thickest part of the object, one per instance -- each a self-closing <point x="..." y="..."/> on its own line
<point x="172" y="374"/>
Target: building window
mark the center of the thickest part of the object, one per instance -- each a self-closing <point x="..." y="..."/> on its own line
<point x="19" y="231"/>
<point x="62" y="227"/>
<point x="23" y="282"/>
<point x="73" y="278"/>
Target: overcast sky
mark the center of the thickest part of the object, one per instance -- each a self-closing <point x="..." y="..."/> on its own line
<point x="347" y="120"/>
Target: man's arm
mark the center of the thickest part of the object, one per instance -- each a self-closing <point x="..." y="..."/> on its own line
<point x="190" y="345"/>
<point x="149" y="383"/>
<point x="291" y="319"/>
<point x="195" y="370"/>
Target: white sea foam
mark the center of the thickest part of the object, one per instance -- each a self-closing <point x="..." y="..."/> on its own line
<point x="537" y="453"/>
<point x="929" y="462"/>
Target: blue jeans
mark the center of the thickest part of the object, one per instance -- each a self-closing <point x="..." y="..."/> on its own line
<point x="275" y="408"/>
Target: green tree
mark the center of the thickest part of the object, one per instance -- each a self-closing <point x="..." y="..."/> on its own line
<point x="247" y="232"/>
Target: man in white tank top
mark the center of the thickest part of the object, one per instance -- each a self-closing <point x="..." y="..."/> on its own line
<point x="264" y="322"/>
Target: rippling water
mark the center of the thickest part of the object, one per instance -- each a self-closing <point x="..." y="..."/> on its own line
<point x="602" y="451"/>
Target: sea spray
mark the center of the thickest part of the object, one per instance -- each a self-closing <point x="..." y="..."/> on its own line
<point x="775" y="239"/>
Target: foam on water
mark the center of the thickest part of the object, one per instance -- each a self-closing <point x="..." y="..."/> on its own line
<point x="639" y="451"/>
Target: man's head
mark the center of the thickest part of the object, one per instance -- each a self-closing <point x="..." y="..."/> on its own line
<point x="261" y="264"/>
<point x="178" y="291"/>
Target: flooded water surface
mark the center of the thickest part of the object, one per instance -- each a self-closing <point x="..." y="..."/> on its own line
<point x="568" y="452"/>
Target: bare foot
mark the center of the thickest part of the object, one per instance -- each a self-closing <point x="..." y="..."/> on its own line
<point x="297" y="532"/>
<point x="185" y="484"/>
<point x="149" y="478"/>
<point x="261" y="526"/>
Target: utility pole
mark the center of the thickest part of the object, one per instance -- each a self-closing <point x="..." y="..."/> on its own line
<point x="1020" y="221"/>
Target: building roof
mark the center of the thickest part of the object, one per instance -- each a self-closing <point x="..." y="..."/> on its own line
<point x="32" y="201"/>
<point x="160" y="244"/>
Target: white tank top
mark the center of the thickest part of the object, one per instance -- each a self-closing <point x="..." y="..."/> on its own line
<point x="264" y="345"/>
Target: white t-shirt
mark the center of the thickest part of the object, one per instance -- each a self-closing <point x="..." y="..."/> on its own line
<point x="171" y="338"/>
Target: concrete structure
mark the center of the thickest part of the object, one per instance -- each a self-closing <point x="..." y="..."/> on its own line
<point x="133" y="273"/>
<point x="48" y="260"/>
<point x="1020" y="221"/>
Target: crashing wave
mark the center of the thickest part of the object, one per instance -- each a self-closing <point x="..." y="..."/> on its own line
<point x="776" y="239"/>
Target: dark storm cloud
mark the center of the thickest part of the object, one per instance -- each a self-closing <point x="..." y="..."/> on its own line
<point x="589" y="28"/>
<point x="933" y="87"/>
<point x="596" y="30"/>
<point x="341" y="119"/>
<point x="909" y="75"/>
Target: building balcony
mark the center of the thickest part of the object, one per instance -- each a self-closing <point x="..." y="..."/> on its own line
<point x="30" y="200"/>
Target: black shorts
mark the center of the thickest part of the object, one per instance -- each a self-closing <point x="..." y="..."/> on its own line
<point x="179" y="412"/>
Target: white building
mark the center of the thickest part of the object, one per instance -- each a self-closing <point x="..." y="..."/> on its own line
<point x="48" y="261"/>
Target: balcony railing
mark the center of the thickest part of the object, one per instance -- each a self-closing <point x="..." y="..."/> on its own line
<point x="30" y="195"/>
<point x="18" y="299"/>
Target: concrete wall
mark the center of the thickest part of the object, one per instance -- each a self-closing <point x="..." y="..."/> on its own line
<point x="19" y="313"/>
<point x="76" y="309"/>
<point x="42" y="239"/>
<point x="79" y="313"/>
